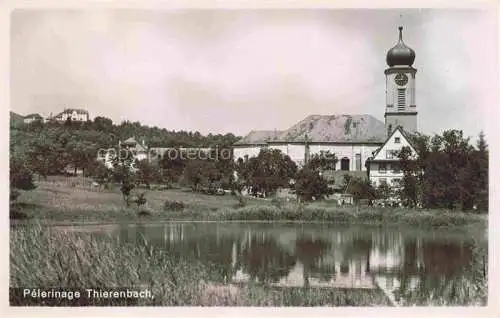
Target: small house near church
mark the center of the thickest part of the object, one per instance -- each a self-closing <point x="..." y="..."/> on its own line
<point x="384" y="167"/>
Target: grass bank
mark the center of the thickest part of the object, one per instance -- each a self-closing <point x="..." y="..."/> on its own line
<point x="40" y="258"/>
<point x="51" y="203"/>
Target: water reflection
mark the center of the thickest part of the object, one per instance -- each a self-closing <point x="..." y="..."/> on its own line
<point x="300" y="256"/>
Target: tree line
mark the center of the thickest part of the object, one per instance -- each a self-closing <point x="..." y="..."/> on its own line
<point x="49" y="148"/>
<point x="448" y="173"/>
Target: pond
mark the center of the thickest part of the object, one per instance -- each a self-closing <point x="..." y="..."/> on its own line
<point x="411" y="266"/>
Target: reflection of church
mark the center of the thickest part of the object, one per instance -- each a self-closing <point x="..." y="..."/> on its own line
<point x="333" y="258"/>
<point x="364" y="145"/>
<point x="338" y="262"/>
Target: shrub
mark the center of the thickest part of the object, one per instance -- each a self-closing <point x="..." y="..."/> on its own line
<point x="173" y="205"/>
<point x="241" y="200"/>
<point x="126" y="188"/>
<point x="15" y="213"/>
<point x="144" y="212"/>
<point x="141" y="199"/>
<point x="14" y="194"/>
<point x="20" y="176"/>
<point x="277" y="202"/>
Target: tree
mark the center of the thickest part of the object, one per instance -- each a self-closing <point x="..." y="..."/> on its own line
<point x="325" y="160"/>
<point x="310" y="184"/>
<point x="194" y="173"/>
<point x="448" y="181"/>
<point x="360" y="189"/>
<point x="309" y="180"/>
<point x="200" y="172"/>
<point x="122" y="173"/>
<point x="479" y="170"/>
<point x="126" y="188"/>
<point x="81" y="152"/>
<point x="20" y="176"/>
<point x="243" y="174"/>
<point x="100" y="173"/>
<point x="270" y="170"/>
<point x="224" y="164"/>
<point x="447" y="173"/>
<point x="383" y="191"/>
<point x="103" y="124"/>
<point x="146" y="173"/>
<point x="410" y="187"/>
<point x="172" y="165"/>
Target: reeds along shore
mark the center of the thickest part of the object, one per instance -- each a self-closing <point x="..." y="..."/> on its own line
<point x="67" y="260"/>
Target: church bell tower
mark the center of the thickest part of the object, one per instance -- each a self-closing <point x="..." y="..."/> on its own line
<point x="401" y="108"/>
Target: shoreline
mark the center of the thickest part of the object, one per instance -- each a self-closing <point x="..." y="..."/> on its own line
<point x="426" y="219"/>
<point x="483" y="223"/>
<point x="82" y="207"/>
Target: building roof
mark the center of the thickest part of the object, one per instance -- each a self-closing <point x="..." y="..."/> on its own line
<point x="79" y="111"/>
<point x="16" y="119"/>
<point x="129" y="141"/>
<point x="324" y="129"/>
<point x="34" y="115"/>
<point x="133" y="142"/>
<point x="259" y="137"/>
<point x="405" y="135"/>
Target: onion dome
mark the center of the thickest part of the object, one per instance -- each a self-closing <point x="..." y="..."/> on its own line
<point x="400" y="54"/>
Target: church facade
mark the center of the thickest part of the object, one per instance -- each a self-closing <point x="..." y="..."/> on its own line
<point x="363" y="145"/>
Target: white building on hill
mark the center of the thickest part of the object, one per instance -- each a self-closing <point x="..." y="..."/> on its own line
<point x="360" y="142"/>
<point x="76" y="115"/>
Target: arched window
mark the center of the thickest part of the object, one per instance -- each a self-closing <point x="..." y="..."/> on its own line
<point x="389" y="129"/>
<point x="344" y="164"/>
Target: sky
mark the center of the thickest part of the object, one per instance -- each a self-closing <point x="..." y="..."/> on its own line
<point x="220" y="71"/>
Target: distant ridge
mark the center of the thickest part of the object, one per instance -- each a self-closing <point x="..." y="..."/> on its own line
<point x="324" y="129"/>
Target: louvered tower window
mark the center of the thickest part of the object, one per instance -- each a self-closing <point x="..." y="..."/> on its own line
<point x="401" y="99"/>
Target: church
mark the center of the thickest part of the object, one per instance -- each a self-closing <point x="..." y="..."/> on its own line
<point x="364" y="145"/>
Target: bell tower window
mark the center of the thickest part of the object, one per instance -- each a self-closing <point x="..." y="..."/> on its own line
<point x="401" y="99"/>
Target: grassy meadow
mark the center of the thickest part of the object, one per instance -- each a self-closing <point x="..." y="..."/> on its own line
<point x="58" y="202"/>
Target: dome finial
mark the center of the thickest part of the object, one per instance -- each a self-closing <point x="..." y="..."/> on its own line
<point x="400" y="54"/>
